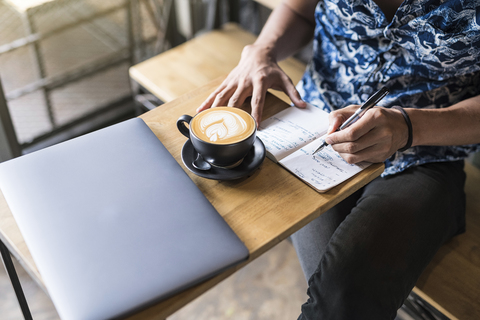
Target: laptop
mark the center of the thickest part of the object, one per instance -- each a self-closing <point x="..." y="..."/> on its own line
<point x="114" y="223"/>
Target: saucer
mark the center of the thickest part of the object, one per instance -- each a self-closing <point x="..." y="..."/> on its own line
<point x="250" y="163"/>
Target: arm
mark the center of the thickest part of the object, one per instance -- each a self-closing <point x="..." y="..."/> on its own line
<point x="457" y="125"/>
<point x="289" y="28"/>
<point x="381" y="131"/>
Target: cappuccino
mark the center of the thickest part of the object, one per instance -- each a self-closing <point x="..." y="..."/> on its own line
<point x="223" y="125"/>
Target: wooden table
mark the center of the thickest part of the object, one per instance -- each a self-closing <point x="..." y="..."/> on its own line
<point x="263" y="209"/>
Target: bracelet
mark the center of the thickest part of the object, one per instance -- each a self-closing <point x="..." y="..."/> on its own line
<point x="409" y="125"/>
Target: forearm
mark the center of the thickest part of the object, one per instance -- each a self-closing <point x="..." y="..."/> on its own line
<point x="456" y="125"/>
<point x="288" y="29"/>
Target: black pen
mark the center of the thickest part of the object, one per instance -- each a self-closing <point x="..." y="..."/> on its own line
<point x="372" y="101"/>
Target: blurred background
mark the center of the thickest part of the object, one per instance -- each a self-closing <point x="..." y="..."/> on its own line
<point x="64" y="63"/>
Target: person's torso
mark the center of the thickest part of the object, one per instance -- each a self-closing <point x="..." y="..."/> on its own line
<point x="428" y="55"/>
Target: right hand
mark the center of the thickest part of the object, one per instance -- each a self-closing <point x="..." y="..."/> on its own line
<point x="378" y="134"/>
<point x="256" y="72"/>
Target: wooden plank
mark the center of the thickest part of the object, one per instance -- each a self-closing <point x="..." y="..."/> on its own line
<point x="270" y="4"/>
<point x="199" y="61"/>
<point x="452" y="279"/>
<point x="434" y="304"/>
<point x="192" y="64"/>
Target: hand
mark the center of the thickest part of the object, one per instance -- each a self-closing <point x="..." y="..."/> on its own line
<point x="256" y="72"/>
<point x="378" y="134"/>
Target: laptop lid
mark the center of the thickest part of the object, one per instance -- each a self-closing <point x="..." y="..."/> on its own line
<point x="114" y="223"/>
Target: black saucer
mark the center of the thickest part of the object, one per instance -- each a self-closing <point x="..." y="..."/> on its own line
<point x="250" y="163"/>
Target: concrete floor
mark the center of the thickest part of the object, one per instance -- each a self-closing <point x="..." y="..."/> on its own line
<point x="271" y="287"/>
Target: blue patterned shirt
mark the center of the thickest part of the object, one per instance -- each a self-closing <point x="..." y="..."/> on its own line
<point x="428" y="56"/>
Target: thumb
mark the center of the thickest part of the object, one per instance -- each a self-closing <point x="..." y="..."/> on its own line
<point x="335" y="120"/>
<point x="338" y="117"/>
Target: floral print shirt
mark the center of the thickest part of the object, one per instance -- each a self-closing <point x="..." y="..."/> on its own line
<point x="428" y="56"/>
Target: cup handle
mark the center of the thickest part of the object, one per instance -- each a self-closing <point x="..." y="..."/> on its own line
<point x="181" y="125"/>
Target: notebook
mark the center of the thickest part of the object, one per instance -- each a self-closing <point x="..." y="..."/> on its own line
<point x="114" y="223"/>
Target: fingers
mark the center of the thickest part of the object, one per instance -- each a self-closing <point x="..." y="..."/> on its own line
<point x="352" y="133"/>
<point x="357" y="146"/>
<point x="374" y="137"/>
<point x="223" y="96"/>
<point x="292" y="93"/>
<point x="337" y="117"/>
<point x="239" y="96"/>
<point x="258" y="100"/>
<point x="245" y="81"/>
<point x="211" y="98"/>
<point x="353" y="142"/>
<point x="372" y="154"/>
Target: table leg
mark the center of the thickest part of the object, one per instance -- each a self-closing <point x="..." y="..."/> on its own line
<point x="8" y="263"/>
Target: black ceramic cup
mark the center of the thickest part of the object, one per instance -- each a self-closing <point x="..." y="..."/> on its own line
<point x="219" y="155"/>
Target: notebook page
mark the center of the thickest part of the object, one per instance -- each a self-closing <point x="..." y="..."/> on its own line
<point x="292" y="129"/>
<point x="322" y="171"/>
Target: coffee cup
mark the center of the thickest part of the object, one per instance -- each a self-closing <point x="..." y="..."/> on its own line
<point x="222" y="135"/>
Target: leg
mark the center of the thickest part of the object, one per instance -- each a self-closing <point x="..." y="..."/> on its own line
<point x="311" y="241"/>
<point x="377" y="253"/>
<point x="8" y="263"/>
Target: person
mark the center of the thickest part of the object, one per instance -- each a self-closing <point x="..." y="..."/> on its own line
<point x="362" y="258"/>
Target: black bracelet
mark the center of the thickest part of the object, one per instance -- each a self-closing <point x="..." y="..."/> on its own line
<point x="409" y="125"/>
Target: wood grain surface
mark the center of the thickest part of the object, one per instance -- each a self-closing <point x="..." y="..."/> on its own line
<point x="199" y="61"/>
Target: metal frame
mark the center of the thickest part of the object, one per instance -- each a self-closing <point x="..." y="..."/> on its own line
<point x="476" y="160"/>
<point x="39" y="63"/>
<point x="46" y="84"/>
<point x="168" y="37"/>
<point x="12" y="273"/>
<point x="9" y="146"/>
<point x="166" y="19"/>
<point x="36" y="37"/>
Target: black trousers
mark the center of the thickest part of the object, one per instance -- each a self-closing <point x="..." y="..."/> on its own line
<point x="363" y="257"/>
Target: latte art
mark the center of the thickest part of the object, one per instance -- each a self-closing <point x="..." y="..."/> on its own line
<point x="223" y="125"/>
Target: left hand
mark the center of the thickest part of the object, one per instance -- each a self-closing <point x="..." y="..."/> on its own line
<point x="378" y="134"/>
<point x="256" y="72"/>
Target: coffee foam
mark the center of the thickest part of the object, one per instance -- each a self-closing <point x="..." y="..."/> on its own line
<point x="223" y="125"/>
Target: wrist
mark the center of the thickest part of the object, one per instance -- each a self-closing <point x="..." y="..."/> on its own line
<point x="407" y="141"/>
<point x="421" y="120"/>
<point x="261" y="49"/>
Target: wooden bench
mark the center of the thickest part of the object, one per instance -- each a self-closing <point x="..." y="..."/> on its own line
<point x="199" y="61"/>
<point x="451" y="283"/>
<point x="452" y="279"/>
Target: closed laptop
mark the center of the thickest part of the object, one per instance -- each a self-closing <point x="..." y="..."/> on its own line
<point x="114" y="223"/>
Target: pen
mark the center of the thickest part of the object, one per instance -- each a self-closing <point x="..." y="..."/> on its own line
<point x="372" y="101"/>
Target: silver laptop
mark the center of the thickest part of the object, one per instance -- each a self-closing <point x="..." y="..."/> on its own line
<point x="114" y="223"/>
